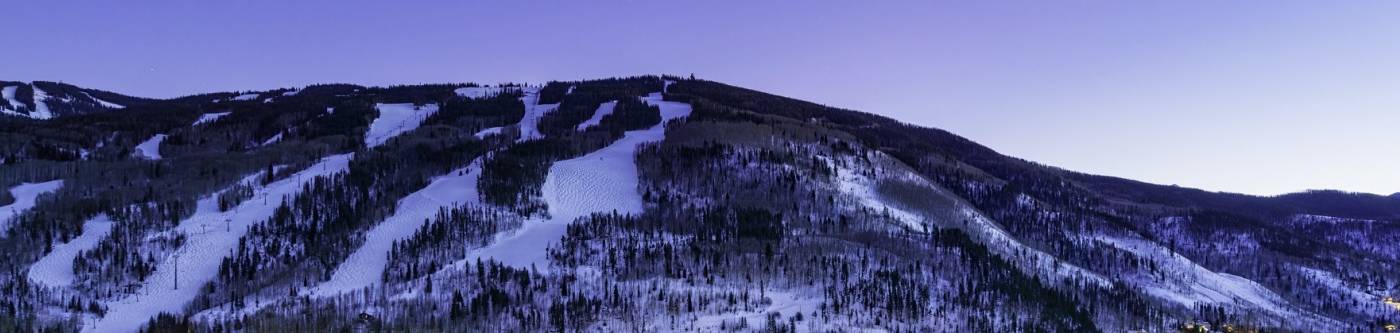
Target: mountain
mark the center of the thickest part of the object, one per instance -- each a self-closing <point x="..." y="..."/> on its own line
<point x="45" y="100"/>
<point x="652" y="203"/>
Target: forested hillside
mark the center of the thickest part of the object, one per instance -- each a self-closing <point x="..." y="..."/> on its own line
<point x="651" y="203"/>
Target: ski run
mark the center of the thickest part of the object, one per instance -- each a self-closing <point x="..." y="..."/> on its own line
<point x="395" y="119"/>
<point x="56" y="268"/>
<point x="26" y="196"/>
<point x="603" y="181"/>
<point x="365" y="266"/>
<point x="211" y="235"/>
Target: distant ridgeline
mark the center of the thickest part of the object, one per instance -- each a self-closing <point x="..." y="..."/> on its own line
<point x="653" y="203"/>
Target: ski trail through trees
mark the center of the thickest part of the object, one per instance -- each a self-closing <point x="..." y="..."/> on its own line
<point x="603" y="181"/>
<point x="365" y="267"/>
<point x="56" y="268"/>
<point x="211" y="236"/>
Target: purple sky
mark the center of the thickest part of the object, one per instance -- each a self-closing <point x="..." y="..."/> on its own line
<point x="1261" y="97"/>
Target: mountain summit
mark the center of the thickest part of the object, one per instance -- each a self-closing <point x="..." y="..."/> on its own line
<point x="652" y="203"/>
<point x="45" y="100"/>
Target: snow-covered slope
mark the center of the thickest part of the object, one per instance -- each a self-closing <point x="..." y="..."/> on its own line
<point x="604" y="110"/>
<point x="529" y="124"/>
<point x="25" y="196"/>
<point x="209" y="118"/>
<point x="150" y="149"/>
<point x="395" y="119"/>
<point x="1034" y="261"/>
<point x="9" y="94"/>
<point x="365" y="266"/>
<point x="211" y="236"/>
<point x="41" y="105"/>
<point x="47" y="100"/>
<point x="603" y="181"/>
<point x="56" y="268"/>
<point x="1190" y="285"/>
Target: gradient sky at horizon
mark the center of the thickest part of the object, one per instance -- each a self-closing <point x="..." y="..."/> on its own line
<point x="1259" y="97"/>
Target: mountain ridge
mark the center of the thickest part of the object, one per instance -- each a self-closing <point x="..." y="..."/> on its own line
<point x="745" y="211"/>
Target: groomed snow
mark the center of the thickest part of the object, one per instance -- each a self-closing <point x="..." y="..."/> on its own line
<point x="365" y="266"/>
<point x="150" y="149"/>
<point x="246" y="97"/>
<point x="395" y="119"/>
<point x="25" y="196"/>
<point x="604" y="110"/>
<point x="211" y="236"/>
<point x="529" y="124"/>
<point x="56" y="268"/>
<point x="603" y="181"/>
<point x="209" y="118"/>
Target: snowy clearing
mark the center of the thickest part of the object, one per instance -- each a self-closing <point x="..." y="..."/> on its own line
<point x="209" y="118"/>
<point x="149" y="149"/>
<point x="603" y="181"/>
<point x="529" y="124"/>
<point x="56" y="268"/>
<point x="395" y="119"/>
<point x="245" y="97"/>
<point x="211" y="236"/>
<point x="604" y="110"/>
<point x="365" y="267"/>
<point x="25" y="196"/>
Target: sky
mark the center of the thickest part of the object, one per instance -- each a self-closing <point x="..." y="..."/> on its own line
<point x="1258" y="97"/>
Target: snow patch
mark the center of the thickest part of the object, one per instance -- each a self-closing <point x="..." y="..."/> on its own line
<point x="273" y="139"/>
<point x="26" y="195"/>
<point x="489" y="131"/>
<point x="150" y="149"/>
<point x="209" y="118"/>
<point x="211" y="235"/>
<point x="604" y="110"/>
<point x="104" y="103"/>
<point x="395" y="119"/>
<point x="56" y="268"/>
<point x="245" y="97"/>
